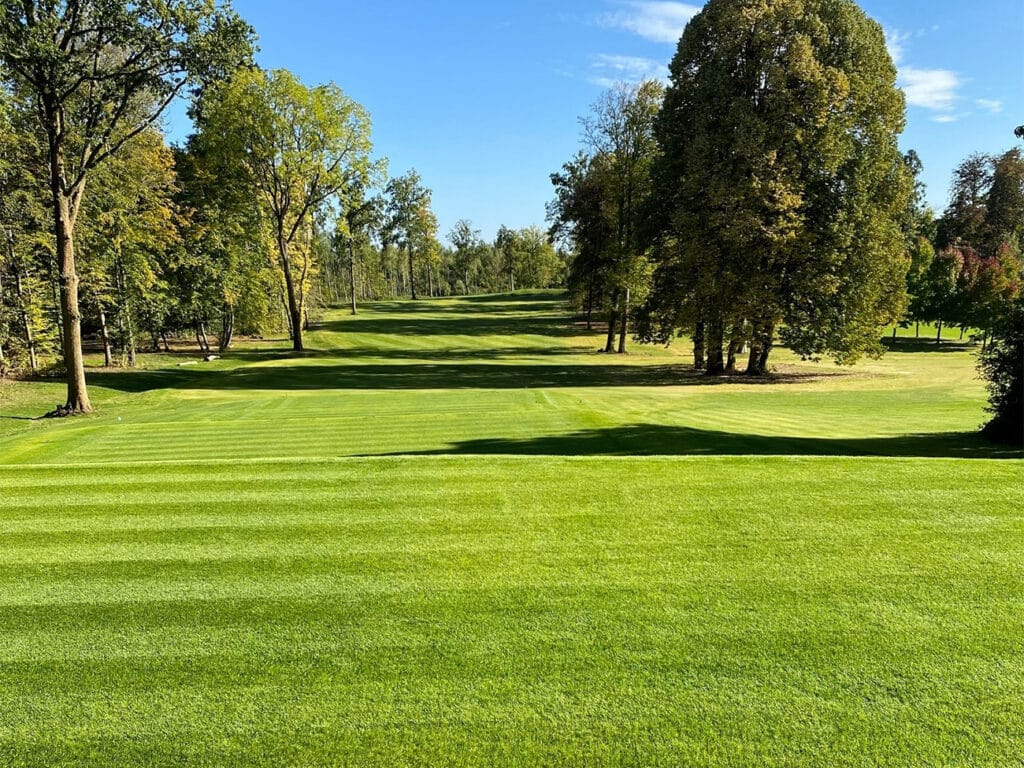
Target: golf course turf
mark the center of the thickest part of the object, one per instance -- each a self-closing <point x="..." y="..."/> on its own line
<point x="453" y="534"/>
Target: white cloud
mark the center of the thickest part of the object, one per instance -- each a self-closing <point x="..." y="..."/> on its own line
<point x="990" y="105"/>
<point x="610" y="69"/>
<point x="934" y="89"/>
<point x="895" y="42"/>
<point x="945" y="118"/>
<point x="657" y="20"/>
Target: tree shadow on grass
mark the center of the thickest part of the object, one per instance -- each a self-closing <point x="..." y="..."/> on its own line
<point x="904" y="345"/>
<point x="662" y="440"/>
<point x="412" y="376"/>
<point x="457" y="324"/>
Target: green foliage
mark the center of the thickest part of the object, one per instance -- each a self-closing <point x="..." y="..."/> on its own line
<point x="300" y="148"/>
<point x="1002" y="364"/>
<point x="600" y="203"/>
<point x="780" y="187"/>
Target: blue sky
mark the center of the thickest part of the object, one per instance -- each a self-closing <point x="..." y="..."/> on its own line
<point x="483" y="98"/>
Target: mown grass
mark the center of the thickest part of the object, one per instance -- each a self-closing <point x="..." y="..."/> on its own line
<point x="446" y="537"/>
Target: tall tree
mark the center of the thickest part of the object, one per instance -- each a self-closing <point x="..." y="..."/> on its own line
<point x="620" y="131"/>
<point x="1004" y="212"/>
<point x="468" y="245"/>
<point x="362" y="217"/>
<point x="779" y="187"/>
<point x="410" y="220"/>
<point x="301" y="147"/>
<point x="579" y="217"/>
<point x="963" y="222"/>
<point x="100" y="74"/>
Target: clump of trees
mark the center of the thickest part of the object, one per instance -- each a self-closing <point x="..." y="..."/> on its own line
<point x="599" y="209"/>
<point x="271" y="210"/>
<point x="965" y="268"/>
<point x="762" y="196"/>
<point x="97" y="75"/>
<point x="779" y="186"/>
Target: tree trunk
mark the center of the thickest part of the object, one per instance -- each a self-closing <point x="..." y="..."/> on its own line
<point x="894" y="334"/>
<point x="715" y="341"/>
<point x="412" y="273"/>
<point x="163" y="337"/>
<point x="700" y="361"/>
<point x="352" y="274"/>
<point x="917" y="330"/>
<point x="108" y="358"/>
<point x="71" y="317"/>
<point x="430" y="281"/>
<point x="761" y="349"/>
<point x="55" y="296"/>
<point x="294" y="307"/>
<point x="26" y="322"/>
<point x="467" y="283"/>
<point x="590" y="306"/>
<point x="227" y="329"/>
<point x="125" y="313"/>
<point x="735" y="347"/>
<point x="962" y="331"/>
<point x="624" y="324"/>
<point x="613" y="314"/>
<point x="938" y="336"/>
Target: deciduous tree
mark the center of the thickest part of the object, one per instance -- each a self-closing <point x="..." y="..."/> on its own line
<point x="780" y="186"/>
<point x="301" y="147"/>
<point x="100" y="73"/>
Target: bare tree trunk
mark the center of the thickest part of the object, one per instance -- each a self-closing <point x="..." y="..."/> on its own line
<point x="227" y="329"/>
<point x="963" y="330"/>
<point x="613" y="314"/>
<point x="352" y="274"/>
<point x="55" y="289"/>
<point x="624" y="327"/>
<point x="735" y="347"/>
<point x="294" y="307"/>
<point x="26" y="322"/>
<point x="715" y="340"/>
<point x="412" y="273"/>
<point x="761" y="348"/>
<point x="938" y="336"/>
<point x="108" y="358"/>
<point x="590" y="306"/>
<point x="125" y="313"/>
<point x="700" y="360"/>
<point x="202" y="339"/>
<point x="894" y="334"/>
<point x="917" y="329"/>
<point x="430" y="281"/>
<point x="71" y="317"/>
<point x="163" y="337"/>
<point x="467" y="282"/>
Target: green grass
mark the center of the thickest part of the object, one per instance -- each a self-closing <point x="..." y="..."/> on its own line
<point x="453" y="534"/>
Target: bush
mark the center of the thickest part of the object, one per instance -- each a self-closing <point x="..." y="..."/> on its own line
<point x="1003" y="365"/>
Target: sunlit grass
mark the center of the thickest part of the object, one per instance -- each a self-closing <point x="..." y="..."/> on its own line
<point x="823" y="570"/>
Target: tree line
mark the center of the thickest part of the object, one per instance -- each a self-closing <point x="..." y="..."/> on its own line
<point x="274" y="208"/>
